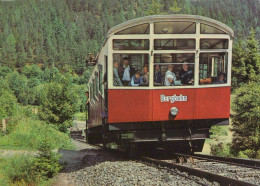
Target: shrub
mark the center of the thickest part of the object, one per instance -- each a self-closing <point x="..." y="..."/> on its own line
<point x="59" y="102"/>
<point x="220" y="149"/>
<point x="46" y="165"/>
<point x="19" y="169"/>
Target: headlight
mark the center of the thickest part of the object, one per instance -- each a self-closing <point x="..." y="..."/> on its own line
<point x="174" y="111"/>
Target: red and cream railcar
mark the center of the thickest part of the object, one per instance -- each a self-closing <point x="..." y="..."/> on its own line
<point x="177" y="114"/>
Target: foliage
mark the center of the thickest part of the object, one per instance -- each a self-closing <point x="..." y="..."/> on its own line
<point x="246" y="127"/>
<point x="154" y="8"/>
<point x="246" y="60"/>
<point x="46" y="164"/>
<point x="19" y="169"/>
<point x="219" y="142"/>
<point x="175" y="7"/>
<point x="60" y="33"/>
<point x="220" y="149"/>
<point x="59" y="102"/>
<point x="28" y="133"/>
<point x="8" y="101"/>
<point x="253" y="57"/>
<point x="29" y="170"/>
<point x="18" y="84"/>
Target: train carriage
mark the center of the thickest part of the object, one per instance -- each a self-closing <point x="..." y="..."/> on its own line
<point x="161" y="80"/>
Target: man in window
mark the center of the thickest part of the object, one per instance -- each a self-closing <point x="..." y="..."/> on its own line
<point x="157" y="75"/>
<point x="116" y="79"/>
<point x="145" y="75"/>
<point x="126" y="72"/>
<point x="170" y="77"/>
<point x="186" y="75"/>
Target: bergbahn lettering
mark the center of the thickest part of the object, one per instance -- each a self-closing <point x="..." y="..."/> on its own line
<point x="173" y="98"/>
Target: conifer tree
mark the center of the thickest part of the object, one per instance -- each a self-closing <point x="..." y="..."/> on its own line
<point x="253" y="57"/>
<point x="238" y="63"/>
<point x="154" y="8"/>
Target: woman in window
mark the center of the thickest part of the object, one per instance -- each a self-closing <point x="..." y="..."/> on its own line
<point x="170" y="77"/>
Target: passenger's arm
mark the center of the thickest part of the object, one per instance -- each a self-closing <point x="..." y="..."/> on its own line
<point x="133" y="82"/>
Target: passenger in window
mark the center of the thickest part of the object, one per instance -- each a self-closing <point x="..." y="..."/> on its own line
<point x="186" y="75"/>
<point x="157" y="75"/>
<point x="145" y="76"/>
<point x="221" y="79"/>
<point x="116" y="79"/>
<point x="137" y="79"/>
<point x="126" y="72"/>
<point x="170" y="77"/>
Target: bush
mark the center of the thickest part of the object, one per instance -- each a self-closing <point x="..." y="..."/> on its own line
<point x="246" y="128"/>
<point x="28" y="133"/>
<point x="59" y="102"/>
<point x="29" y="170"/>
<point x="19" y="169"/>
<point x="46" y="165"/>
<point x="220" y="149"/>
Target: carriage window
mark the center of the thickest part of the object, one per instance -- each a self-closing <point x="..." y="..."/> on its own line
<point x="131" y="44"/>
<point x="91" y="92"/>
<point x="206" y="29"/>
<point x="139" y="29"/>
<point x="173" y="69"/>
<point x="174" y="28"/>
<point x="174" y="44"/>
<point x="213" y="68"/>
<point x="214" y="43"/>
<point x="130" y="70"/>
<point x="100" y="75"/>
<point x="96" y="84"/>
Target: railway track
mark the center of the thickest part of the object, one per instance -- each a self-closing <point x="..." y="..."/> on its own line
<point x="248" y="163"/>
<point x="224" y="171"/>
<point x="213" y="177"/>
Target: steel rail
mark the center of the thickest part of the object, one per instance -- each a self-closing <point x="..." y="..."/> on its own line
<point x="222" y="180"/>
<point x="254" y="164"/>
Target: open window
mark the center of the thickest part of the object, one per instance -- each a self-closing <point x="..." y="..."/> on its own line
<point x="213" y="68"/>
<point x="174" y="69"/>
<point x="130" y="70"/>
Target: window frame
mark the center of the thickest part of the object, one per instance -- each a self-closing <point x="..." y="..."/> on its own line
<point x="197" y="36"/>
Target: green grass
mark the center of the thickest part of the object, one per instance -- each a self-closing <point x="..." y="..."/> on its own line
<point x="28" y="134"/>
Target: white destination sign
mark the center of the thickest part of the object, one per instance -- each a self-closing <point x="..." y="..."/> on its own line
<point x="173" y="98"/>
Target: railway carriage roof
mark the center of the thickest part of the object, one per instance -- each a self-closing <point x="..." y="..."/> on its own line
<point x="173" y="17"/>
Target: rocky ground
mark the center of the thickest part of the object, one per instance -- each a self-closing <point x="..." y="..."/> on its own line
<point x="93" y="166"/>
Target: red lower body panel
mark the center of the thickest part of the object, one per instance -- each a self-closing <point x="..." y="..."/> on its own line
<point x="154" y="105"/>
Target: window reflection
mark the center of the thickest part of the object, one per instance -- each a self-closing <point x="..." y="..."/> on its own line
<point x="174" y="28"/>
<point x="131" y="44"/>
<point x="174" y="69"/>
<point x="139" y="29"/>
<point x="213" y="68"/>
<point x="206" y="29"/>
<point x="131" y="70"/>
<point x="174" y="44"/>
<point x="214" y="43"/>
